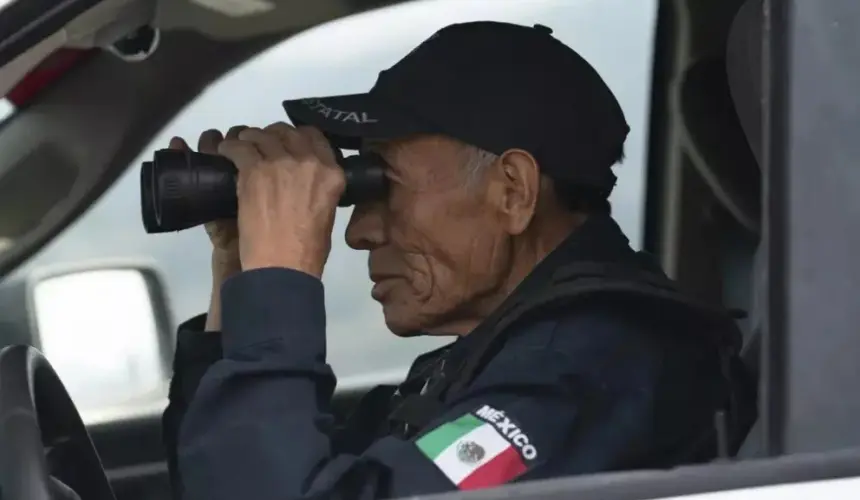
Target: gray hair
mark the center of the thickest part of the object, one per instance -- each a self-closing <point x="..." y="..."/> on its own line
<point x="477" y="161"/>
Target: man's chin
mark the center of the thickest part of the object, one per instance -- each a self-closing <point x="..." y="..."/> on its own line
<point x="405" y="321"/>
<point x="402" y="329"/>
<point x="407" y="329"/>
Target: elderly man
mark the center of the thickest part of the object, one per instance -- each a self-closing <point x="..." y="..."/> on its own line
<point x="574" y="353"/>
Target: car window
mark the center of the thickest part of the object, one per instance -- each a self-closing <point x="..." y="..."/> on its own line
<point x="343" y="57"/>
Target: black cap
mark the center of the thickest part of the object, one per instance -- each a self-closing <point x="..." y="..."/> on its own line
<point x="493" y="85"/>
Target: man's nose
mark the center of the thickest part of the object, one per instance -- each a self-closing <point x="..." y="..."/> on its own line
<point x="366" y="228"/>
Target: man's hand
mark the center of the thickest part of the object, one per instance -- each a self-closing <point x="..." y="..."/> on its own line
<point x="288" y="188"/>
<point x="223" y="234"/>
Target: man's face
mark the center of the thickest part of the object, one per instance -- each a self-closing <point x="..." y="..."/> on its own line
<point x="437" y="247"/>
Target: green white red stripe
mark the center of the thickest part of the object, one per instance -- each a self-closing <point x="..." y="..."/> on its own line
<point x="472" y="453"/>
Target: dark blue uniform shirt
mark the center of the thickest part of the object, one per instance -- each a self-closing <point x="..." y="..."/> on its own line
<point x="597" y="389"/>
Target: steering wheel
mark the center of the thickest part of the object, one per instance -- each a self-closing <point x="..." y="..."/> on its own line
<point x="39" y="425"/>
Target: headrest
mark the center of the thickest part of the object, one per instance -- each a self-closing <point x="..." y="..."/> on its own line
<point x="720" y="102"/>
<point x="719" y="147"/>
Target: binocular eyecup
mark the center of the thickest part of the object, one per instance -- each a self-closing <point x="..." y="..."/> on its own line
<point x="183" y="189"/>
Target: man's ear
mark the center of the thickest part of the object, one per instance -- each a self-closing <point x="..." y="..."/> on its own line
<point x="514" y="186"/>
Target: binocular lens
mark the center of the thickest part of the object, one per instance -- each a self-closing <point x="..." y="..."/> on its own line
<point x="183" y="189"/>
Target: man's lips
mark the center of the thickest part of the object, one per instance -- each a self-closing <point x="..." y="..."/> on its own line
<point x="376" y="276"/>
<point x="381" y="285"/>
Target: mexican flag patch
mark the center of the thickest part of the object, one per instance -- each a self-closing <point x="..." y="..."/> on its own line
<point x="474" y="453"/>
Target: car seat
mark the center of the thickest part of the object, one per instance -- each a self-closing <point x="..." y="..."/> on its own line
<point x="720" y="101"/>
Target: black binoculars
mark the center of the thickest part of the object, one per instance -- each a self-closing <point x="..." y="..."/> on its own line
<point x="182" y="189"/>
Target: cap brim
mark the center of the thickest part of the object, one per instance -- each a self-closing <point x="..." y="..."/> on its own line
<point x="347" y="119"/>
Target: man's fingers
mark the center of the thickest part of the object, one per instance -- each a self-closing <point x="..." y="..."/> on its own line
<point x="222" y="229"/>
<point x="178" y="143"/>
<point x="234" y="131"/>
<point x="320" y="144"/>
<point x="304" y="141"/>
<point x="267" y="142"/>
<point x="295" y="142"/>
<point x="242" y="153"/>
<point x="208" y="141"/>
<point x="281" y="129"/>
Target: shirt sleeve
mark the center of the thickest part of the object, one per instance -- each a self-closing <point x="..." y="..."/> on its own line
<point x="196" y="351"/>
<point x="259" y="425"/>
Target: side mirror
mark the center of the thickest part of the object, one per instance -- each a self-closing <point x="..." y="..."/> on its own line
<point x="105" y="328"/>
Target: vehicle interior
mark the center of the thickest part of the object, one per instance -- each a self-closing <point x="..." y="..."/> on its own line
<point x="86" y="106"/>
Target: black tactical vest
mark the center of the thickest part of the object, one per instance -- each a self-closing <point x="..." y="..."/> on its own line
<point x="572" y="286"/>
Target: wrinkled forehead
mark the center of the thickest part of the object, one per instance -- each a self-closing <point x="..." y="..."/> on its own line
<point x="418" y="142"/>
<point x="421" y="155"/>
<point x="424" y="159"/>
